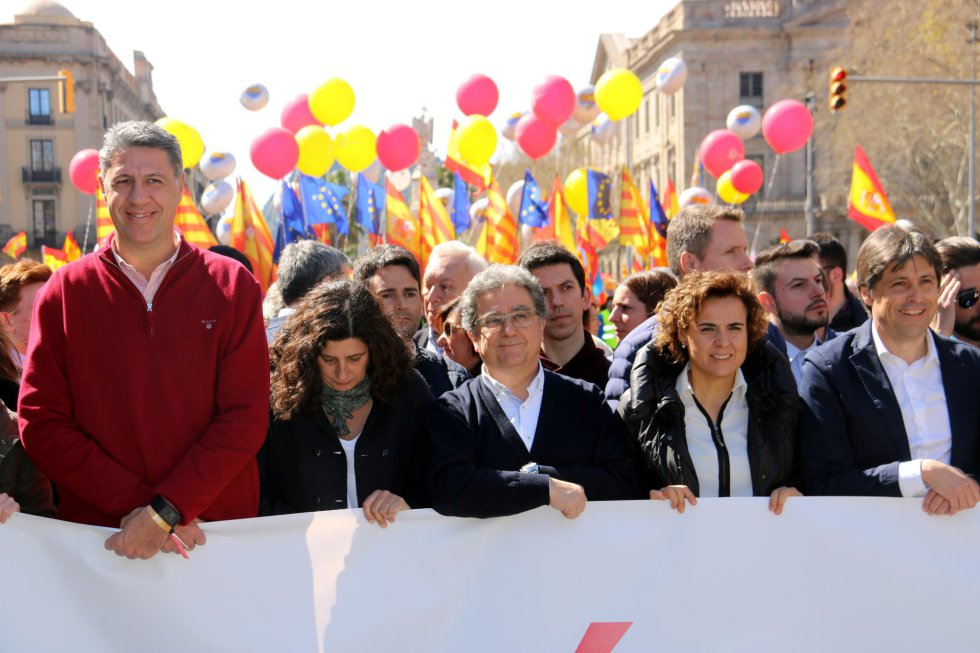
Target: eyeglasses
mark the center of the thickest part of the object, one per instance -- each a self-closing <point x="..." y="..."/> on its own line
<point x="449" y="327"/>
<point x="967" y="298"/>
<point x="495" y="322"/>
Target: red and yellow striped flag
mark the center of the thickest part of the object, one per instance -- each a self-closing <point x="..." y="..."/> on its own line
<point x="250" y="235"/>
<point x="71" y="249"/>
<point x="402" y="228"/>
<point x="475" y="176"/>
<point x="559" y="225"/>
<point x="53" y="257"/>
<point x="103" y="221"/>
<point x="322" y="232"/>
<point x="868" y="205"/>
<point x="634" y="218"/>
<point x="192" y="224"/>
<point x="671" y="206"/>
<point x="784" y="236"/>
<point x="501" y="231"/>
<point x="435" y="225"/>
<point x="16" y="245"/>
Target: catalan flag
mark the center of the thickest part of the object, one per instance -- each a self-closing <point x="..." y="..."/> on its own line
<point x="250" y="235"/>
<point x="16" y="245"/>
<point x="71" y="249"/>
<point x="402" y="228"/>
<point x="503" y="244"/>
<point x="589" y="257"/>
<point x="671" y="205"/>
<point x="53" y="257"/>
<point x="634" y="218"/>
<point x="192" y="224"/>
<point x="434" y="222"/>
<point x="868" y="204"/>
<point x="103" y="221"/>
<point x="474" y="176"/>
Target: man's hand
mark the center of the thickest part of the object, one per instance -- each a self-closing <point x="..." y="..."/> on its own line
<point x="945" y="318"/>
<point x="567" y="498"/>
<point x="677" y="495"/>
<point x="140" y="536"/>
<point x="778" y="498"/>
<point x="382" y="506"/>
<point x="949" y="483"/>
<point x="191" y="535"/>
<point x="7" y="507"/>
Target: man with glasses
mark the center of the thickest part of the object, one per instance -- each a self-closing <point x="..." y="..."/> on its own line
<point x="959" y="311"/>
<point x="519" y="437"/>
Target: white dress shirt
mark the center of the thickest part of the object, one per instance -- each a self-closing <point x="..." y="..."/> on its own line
<point x="796" y="357"/>
<point x="734" y="425"/>
<point x="431" y="343"/>
<point x="919" y="389"/>
<point x="523" y="415"/>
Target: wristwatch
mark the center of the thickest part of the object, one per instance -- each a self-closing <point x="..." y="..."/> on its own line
<point x="166" y="511"/>
<point x="530" y="468"/>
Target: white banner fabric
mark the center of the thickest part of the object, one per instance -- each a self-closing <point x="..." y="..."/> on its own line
<point x="830" y="574"/>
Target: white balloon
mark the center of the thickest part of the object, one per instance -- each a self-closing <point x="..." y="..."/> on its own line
<point x="479" y="208"/>
<point x="254" y="97"/>
<point x="217" y="165"/>
<point x="511" y="124"/>
<point x="217" y="197"/>
<point x="223" y="230"/>
<point x="744" y="121"/>
<point x="514" y="194"/>
<point x="446" y="196"/>
<point x="586" y="110"/>
<point x="602" y="129"/>
<point x="571" y="127"/>
<point x="400" y="179"/>
<point x="671" y="75"/>
<point x="695" y="195"/>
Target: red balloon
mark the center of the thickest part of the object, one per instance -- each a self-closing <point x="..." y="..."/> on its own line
<point x="720" y="150"/>
<point x="534" y="136"/>
<point x="477" y="95"/>
<point x="553" y="100"/>
<point x="84" y="171"/>
<point x="398" y="147"/>
<point x="747" y="177"/>
<point x="787" y="126"/>
<point x="296" y="114"/>
<point x="274" y="153"/>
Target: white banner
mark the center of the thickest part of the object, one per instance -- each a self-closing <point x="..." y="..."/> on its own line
<point x="830" y="574"/>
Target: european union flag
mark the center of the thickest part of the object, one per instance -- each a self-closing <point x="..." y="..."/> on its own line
<point x="460" y="210"/>
<point x="534" y="210"/>
<point x="600" y="190"/>
<point x="322" y="202"/>
<point x="370" y="203"/>
<point x="292" y="226"/>
<point x="657" y="216"/>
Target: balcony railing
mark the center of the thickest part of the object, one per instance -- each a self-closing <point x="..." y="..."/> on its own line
<point x="39" y="119"/>
<point x="31" y="176"/>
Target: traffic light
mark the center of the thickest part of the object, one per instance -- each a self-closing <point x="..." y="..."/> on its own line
<point x="837" y="89"/>
<point x="66" y="91"/>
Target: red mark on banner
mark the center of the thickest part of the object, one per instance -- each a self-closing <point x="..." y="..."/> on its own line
<point x="603" y="637"/>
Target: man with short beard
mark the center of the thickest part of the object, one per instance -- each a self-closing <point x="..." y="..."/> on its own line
<point x="793" y="290"/>
<point x="959" y="310"/>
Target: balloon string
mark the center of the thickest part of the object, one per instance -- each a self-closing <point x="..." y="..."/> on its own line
<point x="772" y="174"/>
<point x="88" y="223"/>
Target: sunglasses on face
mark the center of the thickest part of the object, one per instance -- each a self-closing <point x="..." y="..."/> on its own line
<point x="449" y="327"/>
<point x="967" y="298"/>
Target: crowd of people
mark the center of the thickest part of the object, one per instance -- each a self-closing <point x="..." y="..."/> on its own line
<point x="155" y="390"/>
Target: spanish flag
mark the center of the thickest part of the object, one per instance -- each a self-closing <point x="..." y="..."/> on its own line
<point x="71" y="249"/>
<point x="503" y="243"/>
<point x="192" y="224"/>
<point x="671" y="205"/>
<point x="435" y="224"/>
<point x="103" y="221"/>
<point x="250" y="236"/>
<point x="868" y="205"/>
<point x="784" y="236"/>
<point x="634" y="218"/>
<point x="559" y="225"/>
<point x="402" y="228"/>
<point x="16" y="245"/>
<point x="478" y="177"/>
<point x="53" y="257"/>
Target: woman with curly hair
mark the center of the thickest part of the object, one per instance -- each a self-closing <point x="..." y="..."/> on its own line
<point x="348" y="411"/>
<point x="712" y="407"/>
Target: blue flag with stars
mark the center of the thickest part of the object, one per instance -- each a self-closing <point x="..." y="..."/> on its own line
<point x="600" y="191"/>
<point x="322" y="202"/>
<point x="370" y="204"/>
<point x="657" y="216"/>
<point x="534" y="210"/>
<point x="460" y="212"/>
<point x="292" y="226"/>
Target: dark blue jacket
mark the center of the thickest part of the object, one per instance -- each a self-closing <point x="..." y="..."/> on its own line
<point x="623" y="357"/>
<point x="441" y="373"/>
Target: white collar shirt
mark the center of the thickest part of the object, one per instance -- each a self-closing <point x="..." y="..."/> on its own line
<point x="796" y="357"/>
<point x="523" y="415"/>
<point x="147" y="287"/>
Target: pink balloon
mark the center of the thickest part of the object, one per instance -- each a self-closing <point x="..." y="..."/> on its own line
<point x="398" y="147"/>
<point x="787" y="126"/>
<point x="534" y="136"/>
<point x="296" y="114"/>
<point x="274" y="153"/>
<point x="720" y="150"/>
<point x="84" y="170"/>
<point x="477" y="95"/>
<point x="747" y="177"/>
<point x="553" y="100"/>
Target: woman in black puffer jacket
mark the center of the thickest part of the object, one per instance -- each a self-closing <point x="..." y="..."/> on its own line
<point x="712" y="407"/>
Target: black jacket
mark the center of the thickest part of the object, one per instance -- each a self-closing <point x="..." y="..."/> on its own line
<point x="303" y="468"/>
<point x="654" y="415"/>
<point x="441" y="373"/>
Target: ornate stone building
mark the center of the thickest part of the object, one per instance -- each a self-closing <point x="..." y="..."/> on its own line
<point x="38" y="141"/>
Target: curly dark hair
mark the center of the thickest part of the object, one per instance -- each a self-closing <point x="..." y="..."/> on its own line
<point x="681" y="307"/>
<point x="334" y="310"/>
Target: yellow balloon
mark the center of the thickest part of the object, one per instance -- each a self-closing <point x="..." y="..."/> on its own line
<point x="315" y="151"/>
<point x="618" y="93"/>
<point x="191" y="145"/>
<point x="356" y="148"/>
<point x="332" y="102"/>
<point x="577" y="191"/>
<point x="476" y="138"/>
<point x="726" y="191"/>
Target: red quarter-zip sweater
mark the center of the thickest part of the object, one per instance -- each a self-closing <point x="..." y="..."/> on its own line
<point x="121" y="400"/>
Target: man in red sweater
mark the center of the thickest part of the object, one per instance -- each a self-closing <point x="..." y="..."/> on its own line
<point x="146" y="389"/>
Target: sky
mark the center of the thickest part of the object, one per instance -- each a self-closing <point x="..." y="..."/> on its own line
<point x="397" y="56"/>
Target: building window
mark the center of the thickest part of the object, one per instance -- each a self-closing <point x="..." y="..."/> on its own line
<point x="750" y="89"/>
<point x="39" y="106"/>
<point x="44" y="223"/>
<point x="646" y="116"/>
<point x="42" y="157"/>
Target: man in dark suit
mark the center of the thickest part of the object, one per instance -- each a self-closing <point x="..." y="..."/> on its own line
<point x="890" y="408"/>
<point x="519" y="437"/>
<point x="450" y="267"/>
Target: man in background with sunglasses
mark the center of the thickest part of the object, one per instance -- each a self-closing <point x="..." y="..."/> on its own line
<point x="959" y="310"/>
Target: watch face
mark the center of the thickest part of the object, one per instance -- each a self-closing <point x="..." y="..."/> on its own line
<point x="170" y="515"/>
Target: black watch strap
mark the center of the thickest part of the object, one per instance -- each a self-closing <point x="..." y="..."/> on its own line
<point x="166" y="510"/>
